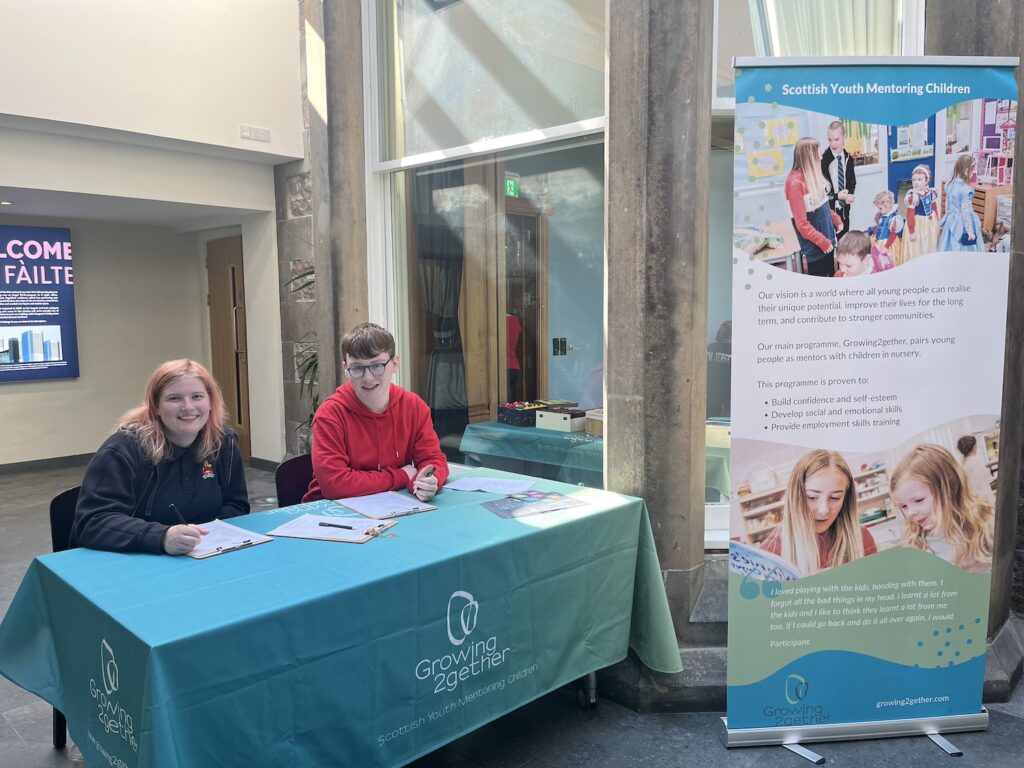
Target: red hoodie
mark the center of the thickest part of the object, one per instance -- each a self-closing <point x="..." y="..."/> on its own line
<point x="358" y="452"/>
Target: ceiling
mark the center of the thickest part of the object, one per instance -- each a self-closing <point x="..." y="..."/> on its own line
<point x="180" y="217"/>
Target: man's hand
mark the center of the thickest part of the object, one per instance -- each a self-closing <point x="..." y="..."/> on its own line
<point x="426" y="484"/>
<point x="182" y="539"/>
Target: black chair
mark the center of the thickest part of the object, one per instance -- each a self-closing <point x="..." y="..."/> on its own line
<point x="292" y="479"/>
<point x="62" y="515"/>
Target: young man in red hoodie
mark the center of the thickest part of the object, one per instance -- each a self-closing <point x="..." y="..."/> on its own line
<point x="372" y="435"/>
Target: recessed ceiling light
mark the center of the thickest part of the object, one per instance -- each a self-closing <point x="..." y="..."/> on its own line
<point x="6" y="202"/>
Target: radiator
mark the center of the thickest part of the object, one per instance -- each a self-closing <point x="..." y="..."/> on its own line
<point x="762" y="206"/>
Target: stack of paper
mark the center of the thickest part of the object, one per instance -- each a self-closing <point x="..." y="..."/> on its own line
<point x="351" y="529"/>
<point x="387" y="504"/>
<point x="502" y="485"/>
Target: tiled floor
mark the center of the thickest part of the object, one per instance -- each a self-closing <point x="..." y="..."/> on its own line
<point x="550" y="732"/>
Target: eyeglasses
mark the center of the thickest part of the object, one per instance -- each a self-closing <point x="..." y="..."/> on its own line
<point x="377" y="369"/>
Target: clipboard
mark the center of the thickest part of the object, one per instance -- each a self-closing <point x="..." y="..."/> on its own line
<point x="223" y="538"/>
<point x="389" y="504"/>
<point x="350" y="530"/>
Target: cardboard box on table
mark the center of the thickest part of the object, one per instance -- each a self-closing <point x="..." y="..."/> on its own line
<point x="562" y="420"/>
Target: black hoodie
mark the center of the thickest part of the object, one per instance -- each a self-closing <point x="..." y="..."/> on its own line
<point x="127" y="504"/>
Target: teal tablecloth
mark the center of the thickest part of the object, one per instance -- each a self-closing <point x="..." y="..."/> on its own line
<point x="303" y="653"/>
<point x="571" y="457"/>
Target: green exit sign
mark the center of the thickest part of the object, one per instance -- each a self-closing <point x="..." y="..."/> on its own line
<point x="511" y="186"/>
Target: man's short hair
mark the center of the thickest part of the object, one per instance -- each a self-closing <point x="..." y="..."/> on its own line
<point x="367" y="340"/>
<point x="837" y="125"/>
<point x="855" y="242"/>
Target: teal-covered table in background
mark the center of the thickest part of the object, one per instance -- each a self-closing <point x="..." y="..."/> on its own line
<point x="573" y="457"/>
<point x="570" y="457"/>
<point x="309" y="653"/>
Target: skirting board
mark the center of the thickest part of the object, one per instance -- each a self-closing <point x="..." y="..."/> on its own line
<point x="876" y="729"/>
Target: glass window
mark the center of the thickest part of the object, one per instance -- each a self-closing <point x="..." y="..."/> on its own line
<point x="502" y="262"/>
<point x="829" y="27"/>
<point x="452" y="73"/>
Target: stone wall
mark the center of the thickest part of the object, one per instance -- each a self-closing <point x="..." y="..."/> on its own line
<point x="301" y="188"/>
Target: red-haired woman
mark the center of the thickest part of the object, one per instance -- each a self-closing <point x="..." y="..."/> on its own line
<point x="815" y="222"/>
<point x="171" y="465"/>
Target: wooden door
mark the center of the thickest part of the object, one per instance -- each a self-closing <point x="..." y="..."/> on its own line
<point x="228" y="334"/>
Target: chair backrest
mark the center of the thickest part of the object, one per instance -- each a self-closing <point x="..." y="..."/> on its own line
<point x="292" y="479"/>
<point x="62" y="515"/>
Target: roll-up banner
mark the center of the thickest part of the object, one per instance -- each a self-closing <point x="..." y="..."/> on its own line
<point x="38" y="336"/>
<point x="871" y="253"/>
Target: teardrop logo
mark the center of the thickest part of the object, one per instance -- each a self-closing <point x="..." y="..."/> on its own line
<point x="796" y="689"/>
<point x="108" y="666"/>
<point x="462" y="613"/>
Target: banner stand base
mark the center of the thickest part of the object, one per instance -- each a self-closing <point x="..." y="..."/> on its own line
<point x="805" y="753"/>
<point x="947" y="747"/>
<point x="877" y="729"/>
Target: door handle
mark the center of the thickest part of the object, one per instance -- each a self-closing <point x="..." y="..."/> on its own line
<point x="234" y="328"/>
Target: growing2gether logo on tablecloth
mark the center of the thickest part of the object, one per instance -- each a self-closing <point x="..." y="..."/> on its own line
<point x="462" y="612"/>
<point x="113" y="717"/>
<point x="466" y="659"/>
<point x="108" y="664"/>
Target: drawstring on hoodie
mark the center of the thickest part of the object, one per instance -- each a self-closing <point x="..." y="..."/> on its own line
<point x="394" y="432"/>
<point x="394" y="435"/>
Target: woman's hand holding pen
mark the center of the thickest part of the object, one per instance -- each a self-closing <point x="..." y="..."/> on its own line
<point x="425" y="485"/>
<point x="182" y="539"/>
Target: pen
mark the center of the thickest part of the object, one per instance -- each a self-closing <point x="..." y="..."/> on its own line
<point x="337" y="525"/>
<point x="240" y="545"/>
<point x="177" y="514"/>
<point x="430" y="471"/>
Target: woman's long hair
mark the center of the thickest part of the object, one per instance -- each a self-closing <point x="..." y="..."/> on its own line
<point x="144" y="420"/>
<point x="961" y="518"/>
<point x="799" y="541"/>
<point x="807" y="160"/>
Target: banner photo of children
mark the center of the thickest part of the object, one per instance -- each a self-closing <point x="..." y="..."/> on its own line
<point x="807" y="510"/>
<point x="863" y="473"/>
<point x="805" y="181"/>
